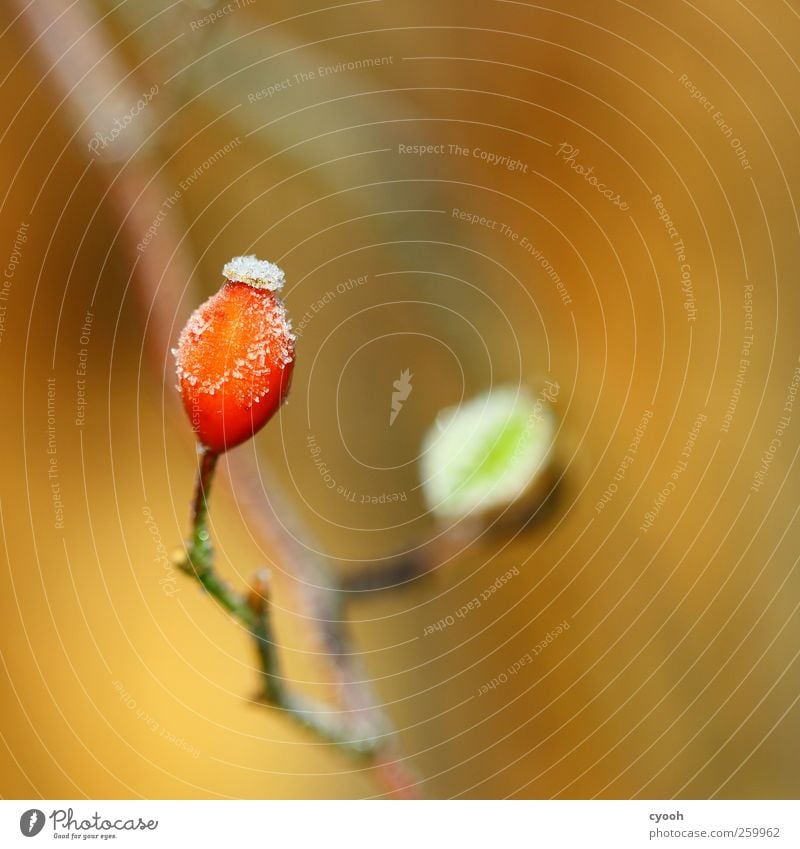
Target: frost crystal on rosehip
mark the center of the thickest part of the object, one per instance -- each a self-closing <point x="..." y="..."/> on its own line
<point x="236" y="355"/>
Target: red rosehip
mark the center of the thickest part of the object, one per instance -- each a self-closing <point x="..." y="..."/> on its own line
<point x="236" y="355"/>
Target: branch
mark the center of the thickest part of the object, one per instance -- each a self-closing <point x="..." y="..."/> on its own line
<point x="253" y="611"/>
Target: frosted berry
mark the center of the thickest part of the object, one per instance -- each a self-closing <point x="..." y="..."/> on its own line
<point x="236" y="355"/>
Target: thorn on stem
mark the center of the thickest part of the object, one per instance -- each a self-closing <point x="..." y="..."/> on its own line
<point x="259" y="594"/>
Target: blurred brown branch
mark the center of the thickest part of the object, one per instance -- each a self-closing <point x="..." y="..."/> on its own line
<point x="96" y="90"/>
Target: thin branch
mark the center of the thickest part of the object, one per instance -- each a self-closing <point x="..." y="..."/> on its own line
<point x="253" y="611"/>
<point x="403" y="570"/>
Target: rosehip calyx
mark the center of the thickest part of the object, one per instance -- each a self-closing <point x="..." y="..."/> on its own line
<point x="235" y="355"/>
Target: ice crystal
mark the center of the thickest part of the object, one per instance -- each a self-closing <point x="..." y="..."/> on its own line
<point x="256" y="272"/>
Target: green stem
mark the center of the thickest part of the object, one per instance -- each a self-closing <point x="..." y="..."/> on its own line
<point x="200" y="554"/>
<point x="254" y="613"/>
<point x="274" y="686"/>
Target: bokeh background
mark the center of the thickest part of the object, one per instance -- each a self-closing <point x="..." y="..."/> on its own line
<point x="145" y="143"/>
